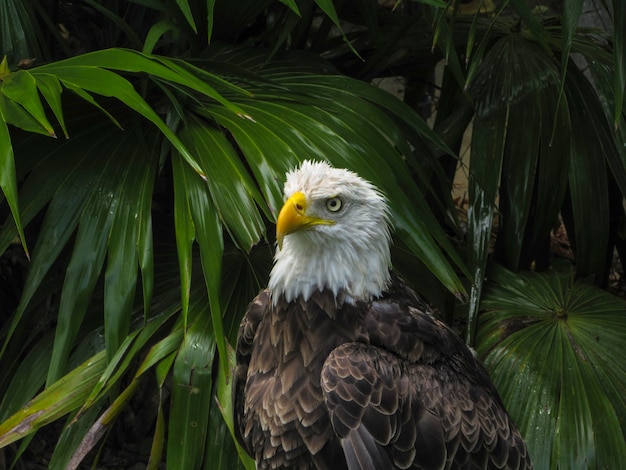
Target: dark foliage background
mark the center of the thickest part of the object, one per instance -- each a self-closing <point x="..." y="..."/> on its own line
<point x="143" y="145"/>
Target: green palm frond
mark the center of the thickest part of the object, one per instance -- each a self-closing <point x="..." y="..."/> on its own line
<point x="541" y="142"/>
<point x="149" y="223"/>
<point x="553" y="348"/>
<point x="56" y="401"/>
<point x="19" y="35"/>
<point x="96" y="196"/>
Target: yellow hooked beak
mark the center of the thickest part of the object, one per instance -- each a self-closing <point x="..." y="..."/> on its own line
<point x="292" y="217"/>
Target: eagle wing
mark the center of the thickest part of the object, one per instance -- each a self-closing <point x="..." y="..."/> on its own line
<point x="416" y="397"/>
<point x="245" y="340"/>
<point x="377" y="413"/>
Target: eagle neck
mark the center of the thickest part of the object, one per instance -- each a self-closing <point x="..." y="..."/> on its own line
<point x="353" y="273"/>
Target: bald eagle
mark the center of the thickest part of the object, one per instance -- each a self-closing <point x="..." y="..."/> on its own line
<point x="340" y="365"/>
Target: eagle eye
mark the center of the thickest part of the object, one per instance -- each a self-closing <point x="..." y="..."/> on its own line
<point x="334" y="204"/>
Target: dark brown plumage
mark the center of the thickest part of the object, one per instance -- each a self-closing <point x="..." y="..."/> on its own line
<point x="340" y="365"/>
<point x="373" y="385"/>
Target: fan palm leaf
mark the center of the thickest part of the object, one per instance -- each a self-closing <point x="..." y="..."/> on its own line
<point x="564" y="337"/>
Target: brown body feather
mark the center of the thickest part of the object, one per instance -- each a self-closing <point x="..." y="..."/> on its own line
<point x="374" y="385"/>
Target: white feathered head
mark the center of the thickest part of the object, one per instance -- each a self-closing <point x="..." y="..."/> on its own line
<point x="333" y="233"/>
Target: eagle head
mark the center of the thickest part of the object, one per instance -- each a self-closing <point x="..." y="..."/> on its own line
<point x="333" y="232"/>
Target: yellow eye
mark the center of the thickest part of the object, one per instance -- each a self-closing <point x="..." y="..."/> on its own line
<point x="334" y="204"/>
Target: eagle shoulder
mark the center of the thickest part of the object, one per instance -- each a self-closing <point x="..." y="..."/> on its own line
<point x="403" y="324"/>
<point x="414" y="396"/>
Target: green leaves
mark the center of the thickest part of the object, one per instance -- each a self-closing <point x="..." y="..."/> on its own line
<point x="339" y="119"/>
<point x="18" y="36"/>
<point x="514" y="90"/>
<point x="552" y="347"/>
<point x="619" y="53"/>
<point x="99" y="194"/>
<point x="174" y="173"/>
<point x="191" y="395"/>
<point x="21" y="105"/>
<point x="230" y="186"/>
<point x="20" y="90"/>
<point x="8" y="182"/>
<point x="56" y="401"/>
<point x="540" y="143"/>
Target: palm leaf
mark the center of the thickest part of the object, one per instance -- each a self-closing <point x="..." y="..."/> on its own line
<point x="18" y="36"/>
<point x="70" y="196"/>
<point x="619" y="51"/>
<point x="591" y="144"/>
<point x="8" y="182"/>
<point x="57" y="400"/>
<point x="200" y="212"/>
<point x="602" y="71"/>
<point x="191" y="392"/>
<point x="225" y="171"/>
<point x="88" y="73"/>
<point x="496" y="88"/>
<point x="516" y="87"/>
<point x="108" y="202"/>
<point x="20" y="89"/>
<point x="185" y="8"/>
<point x="572" y="10"/>
<point x="34" y="367"/>
<point x="552" y="347"/>
<point x="219" y="451"/>
<point x="83" y="74"/>
<point x="533" y="24"/>
<point x="331" y="120"/>
<point x="132" y="214"/>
